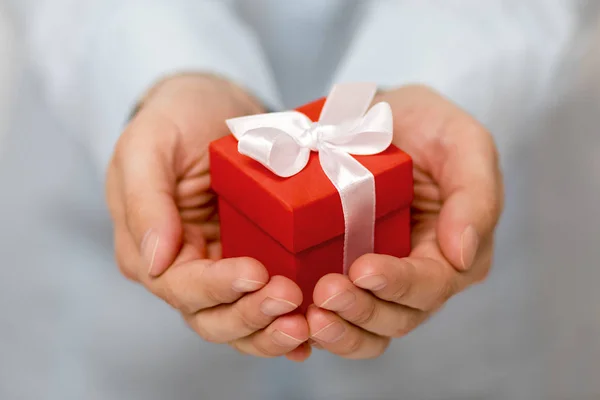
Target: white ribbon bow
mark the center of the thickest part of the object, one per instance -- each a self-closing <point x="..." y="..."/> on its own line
<point x="282" y="142"/>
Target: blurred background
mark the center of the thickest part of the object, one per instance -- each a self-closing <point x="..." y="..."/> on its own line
<point x="7" y="69"/>
<point x="72" y="328"/>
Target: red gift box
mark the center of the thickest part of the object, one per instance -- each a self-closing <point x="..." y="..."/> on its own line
<point x="295" y="225"/>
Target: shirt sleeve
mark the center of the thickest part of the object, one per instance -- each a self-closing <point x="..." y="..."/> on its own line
<point x="495" y="60"/>
<point x="96" y="58"/>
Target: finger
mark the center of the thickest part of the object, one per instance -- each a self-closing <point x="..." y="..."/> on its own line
<point x="126" y="254"/>
<point x="300" y="353"/>
<point x="214" y="251"/>
<point x="129" y="259"/>
<point x="336" y="293"/>
<point x="113" y="195"/>
<point x="211" y="231"/>
<point x="338" y="336"/>
<point x="423" y="283"/>
<point x="144" y="156"/>
<point x="315" y="344"/>
<point x="202" y="284"/>
<point x="461" y="157"/>
<point x="467" y="219"/>
<point x="284" y="336"/>
<point x="253" y="312"/>
<point x="472" y="194"/>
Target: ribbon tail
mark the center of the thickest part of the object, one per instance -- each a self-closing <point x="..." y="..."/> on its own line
<point x="356" y="186"/>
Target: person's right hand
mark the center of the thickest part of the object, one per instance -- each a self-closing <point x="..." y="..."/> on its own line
<point x="167" y="228"/>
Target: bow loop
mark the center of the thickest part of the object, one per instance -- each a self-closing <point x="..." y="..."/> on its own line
<point x="275" y="149"/>
<point x="369" y="135"/>
<point x="292" y="123"/>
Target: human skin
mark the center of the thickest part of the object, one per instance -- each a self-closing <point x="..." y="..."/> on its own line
<point x="167" y="228"/>
<point x="458" y="201"/>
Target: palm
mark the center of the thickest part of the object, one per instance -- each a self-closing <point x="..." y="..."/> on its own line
<point x="425" y="208"/>
<point x="198" y="210"/>
<point x="453" y="156"/>
<point x="197" y="107"/>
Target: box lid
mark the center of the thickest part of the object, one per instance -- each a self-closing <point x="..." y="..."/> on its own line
<point x="303" y="210"/>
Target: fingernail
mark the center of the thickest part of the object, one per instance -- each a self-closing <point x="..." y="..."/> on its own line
<point x="285" y="340"/>
<point x="148" y="250"/>
<point x="371" y="282"/>
<point x="469" y="242"/>
<point x="331" y="333"/>
<point x="339" y="302"/>
<point x="276" y="307"/>
<point x="246" y="285"/>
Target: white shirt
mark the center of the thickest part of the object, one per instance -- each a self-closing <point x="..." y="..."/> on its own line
<point x="73" y="328"/>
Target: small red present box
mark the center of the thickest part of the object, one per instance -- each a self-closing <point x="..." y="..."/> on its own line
<point x="295" y="226"/>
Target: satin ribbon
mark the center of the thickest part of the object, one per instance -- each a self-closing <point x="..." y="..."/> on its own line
<point x="282" y="142"/>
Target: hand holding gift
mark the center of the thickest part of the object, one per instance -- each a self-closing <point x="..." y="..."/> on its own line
<point x="458" y="198"/>
<point x="166" y="227"/>
<point x="167" y="234"/>
<point x="319" y="219"/>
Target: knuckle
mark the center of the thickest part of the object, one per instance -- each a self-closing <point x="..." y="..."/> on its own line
<point x="127" y="271"/>
<point x="407" y="323"/>
<point x="211" y="292"/>
<point x="250" y="267"/>
<point x="267" y="350"/>
<point x="247" y="322"/>
<point x="492" y="208"/>
<point x="382" y="349"/>
<point x="366" y="314"/>
<point x="482" y="271"/>
<point x="133" y="207"/>
<point x="126" y="267"/>
<point x="201" y="329"/>
<point x="352" y="344"/>
<point x="213" y="295"/>
<point x="403" y="282"/>
<point x="184" y="307"/>
<point x="400" y="333"/>
<point x="482" y="277"/>
<point x="400" y="291"/>
<point x="236" y="346"/>
<point x="168" y="295"/>
<point x="123" y="146"/>
<point x="125" y="256"/>
<point x="445" y="287"/>
<point x="446" y="290"/>
<point x="249" y="263"/>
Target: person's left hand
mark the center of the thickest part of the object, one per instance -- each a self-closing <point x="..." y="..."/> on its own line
<point x="457" y="204"/>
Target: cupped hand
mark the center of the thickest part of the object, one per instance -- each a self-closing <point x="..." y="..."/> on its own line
<point x="167" y="229"/>
<point x="458" y="201"/>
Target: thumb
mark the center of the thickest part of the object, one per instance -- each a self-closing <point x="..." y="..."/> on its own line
<point x="460" y="156"/>
<point x="471" y="185"/>
<point x="145" y="156"/>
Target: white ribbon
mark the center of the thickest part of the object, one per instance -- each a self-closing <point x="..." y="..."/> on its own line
<point x="282" y="142"/>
